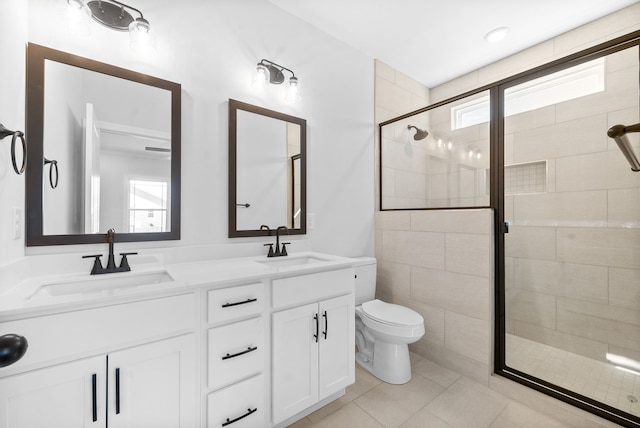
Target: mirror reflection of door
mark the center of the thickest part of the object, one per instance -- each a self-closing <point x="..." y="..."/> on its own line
<point x="91" y="172"/>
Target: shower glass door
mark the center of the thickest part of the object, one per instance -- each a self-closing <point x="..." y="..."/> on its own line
<point x="572" y="251"/>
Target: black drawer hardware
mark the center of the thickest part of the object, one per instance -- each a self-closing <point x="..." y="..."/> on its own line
<point x="117" y="391"/>
<point x="315" y="336"/>
<point x="326" y="325"/>
<point x="12" y="348"/>
<point x="226" y="305"/>
<point x="94" y="396"/>
<point x="249" y="412"/>
<point x="249" y="349"/>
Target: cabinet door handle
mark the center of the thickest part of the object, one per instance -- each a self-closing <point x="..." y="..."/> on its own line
<point x="94" y="396"/>
<point x="249" y="349"/>
<point x="249" y="412"/>
<point x="315" y="317"/>
<point x="226" y="305"/>
<point x="117" y="390"/>
<point x="326" y="325"/>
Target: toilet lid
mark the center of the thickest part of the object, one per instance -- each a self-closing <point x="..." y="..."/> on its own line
<point x="391" y="314"/>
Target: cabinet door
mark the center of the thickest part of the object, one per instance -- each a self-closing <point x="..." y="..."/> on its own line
<point x="337" y="345"/>
<point x="154" y="385"/>
<point x="295" y="361"/>
<point x="69" y="395"/>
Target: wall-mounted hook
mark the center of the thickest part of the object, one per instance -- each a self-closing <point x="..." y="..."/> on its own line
<point x="53" y="165"/>
<point x="4" y="132"/>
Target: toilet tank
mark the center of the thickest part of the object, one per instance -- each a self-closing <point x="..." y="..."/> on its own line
<point x="365" y="271"/>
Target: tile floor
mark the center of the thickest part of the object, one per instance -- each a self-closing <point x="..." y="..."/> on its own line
<point x="435" y="397"/>
<point x="586" y="376"/>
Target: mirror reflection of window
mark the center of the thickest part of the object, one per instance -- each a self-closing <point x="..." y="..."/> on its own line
<point x="148" y="203"/>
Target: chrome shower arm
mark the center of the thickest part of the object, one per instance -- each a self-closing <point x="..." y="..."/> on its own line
<point x="619" y="134"/>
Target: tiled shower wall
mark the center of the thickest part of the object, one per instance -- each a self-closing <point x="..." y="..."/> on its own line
<point x="441" y="262"/>
<point x="573" y="251"/>
<point x="438" y="263"/>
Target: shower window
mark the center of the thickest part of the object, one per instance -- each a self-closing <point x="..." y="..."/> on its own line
<point x="575" y="82"/>
<point x="426" y="163"/>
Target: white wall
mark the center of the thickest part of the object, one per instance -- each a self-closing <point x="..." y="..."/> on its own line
<point x="13" y="35"/>
<point x="212" y="48"/>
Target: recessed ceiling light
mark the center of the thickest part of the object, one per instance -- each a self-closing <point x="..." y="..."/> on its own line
<point x="496" y="34"/>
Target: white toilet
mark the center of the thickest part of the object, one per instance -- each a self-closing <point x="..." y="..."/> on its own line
<point x="383" y="330"/>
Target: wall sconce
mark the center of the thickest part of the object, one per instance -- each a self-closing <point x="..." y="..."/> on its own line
<point x="116" y="16"/>
<point x="269" y="71"/>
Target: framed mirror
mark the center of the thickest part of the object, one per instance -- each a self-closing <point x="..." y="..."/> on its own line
<point x="104" y="152"/>
<point x="267" y="171"/>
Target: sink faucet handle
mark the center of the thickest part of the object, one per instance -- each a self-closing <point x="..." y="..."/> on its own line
<point x="124" y="263"/>
<point x="283" y="251"/>
<point x="270" y="254"/>
<point x="97" y="266"/>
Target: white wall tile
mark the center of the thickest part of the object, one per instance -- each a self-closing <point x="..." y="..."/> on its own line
<point x="623" y="287"/>
<point x="470" y="254"/>
<point x="601" y="247"/>
<point x="571" y="209"/>
<point x="467" y="336"/>
<point x="530" y="242"/>
<point x="424" y="249"/>
<point x="465" y="294"/>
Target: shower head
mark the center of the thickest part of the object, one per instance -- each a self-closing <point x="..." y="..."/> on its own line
<point x="420" y="134"/>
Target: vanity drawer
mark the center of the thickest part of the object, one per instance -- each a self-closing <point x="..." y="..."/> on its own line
<point x="239" y="406"/>
<point x="232" y="303"/>
<point x="236" y="351"/>
<point x="76" y="333"/>
<point x="313" y="287"/>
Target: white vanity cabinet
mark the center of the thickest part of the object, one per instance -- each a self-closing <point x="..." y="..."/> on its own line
<point x="236" y="357"/>
<point x="144" y="374"/>
<point x="312" y="343"/>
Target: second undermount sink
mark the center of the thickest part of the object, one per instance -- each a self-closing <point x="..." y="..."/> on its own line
<point x="102" y="284"/>
<point x="290" y="261"/>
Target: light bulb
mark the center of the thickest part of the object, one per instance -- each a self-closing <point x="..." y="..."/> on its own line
<point x="141" y="37"/>
<point x="293" y="90"/>
<point x="79" y="17"/>
<point x="261" y="77"/>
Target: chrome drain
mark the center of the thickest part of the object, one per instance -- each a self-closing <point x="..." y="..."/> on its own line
<point x="632" y="398"/>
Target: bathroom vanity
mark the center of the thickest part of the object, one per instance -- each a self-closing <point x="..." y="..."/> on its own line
<point x="248" y="342"/>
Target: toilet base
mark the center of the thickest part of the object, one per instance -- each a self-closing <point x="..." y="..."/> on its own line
<point x="390" y="363"/>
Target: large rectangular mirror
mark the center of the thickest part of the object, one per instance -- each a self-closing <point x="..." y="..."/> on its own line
<point x="267" y="170"/>
<point x="104" y="152"/>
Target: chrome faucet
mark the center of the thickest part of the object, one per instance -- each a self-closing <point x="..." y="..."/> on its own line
<point x="111" y="263"/>
<point x="279" y="251"/>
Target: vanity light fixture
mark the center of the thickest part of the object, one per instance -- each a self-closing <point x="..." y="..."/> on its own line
<point x="270" y="72"/>
<point x="117" y="16"/>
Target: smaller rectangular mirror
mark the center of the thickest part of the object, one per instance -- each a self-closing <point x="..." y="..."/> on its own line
<point x="267" y="170"/>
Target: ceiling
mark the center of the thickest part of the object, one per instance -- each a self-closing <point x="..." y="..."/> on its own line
<point x="434" y="41"/>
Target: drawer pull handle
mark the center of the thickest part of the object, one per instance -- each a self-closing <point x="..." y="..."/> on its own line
<point x="226" y="305"/>
<point x="249" y="349"/>
<point x="94" y="397"/>
<point x="249" y="412"/>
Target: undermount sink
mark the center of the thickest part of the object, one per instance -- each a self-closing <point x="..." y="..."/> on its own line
<point x="107" y="284"/>
<point x="290" y="261"/>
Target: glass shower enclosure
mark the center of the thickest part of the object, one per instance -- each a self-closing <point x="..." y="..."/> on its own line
<point x="572" y="233"/>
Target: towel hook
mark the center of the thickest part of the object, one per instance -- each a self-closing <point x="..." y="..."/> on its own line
<point x="4" y="132"/>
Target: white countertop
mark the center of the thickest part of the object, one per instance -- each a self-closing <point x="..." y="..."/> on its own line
<point x="30" y="297"/>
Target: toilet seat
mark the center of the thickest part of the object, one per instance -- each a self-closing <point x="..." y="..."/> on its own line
<point x="391" y="314"/>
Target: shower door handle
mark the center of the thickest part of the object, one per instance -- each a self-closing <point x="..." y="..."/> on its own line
<point x="505" y="228"/>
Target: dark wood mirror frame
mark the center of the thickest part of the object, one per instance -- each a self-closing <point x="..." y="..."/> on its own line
<point x="234" y="106"/>
<point x="36" y="56"/>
